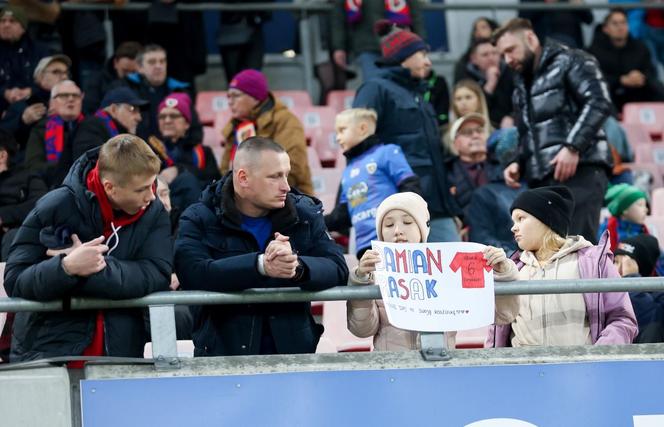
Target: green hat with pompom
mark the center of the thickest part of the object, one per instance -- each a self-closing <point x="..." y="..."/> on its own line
<point x="620" y="197"/>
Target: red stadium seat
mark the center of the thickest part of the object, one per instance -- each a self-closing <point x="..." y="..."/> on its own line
<point x="648" y="114"/>
<point x="293" y="98"/>
<point x="653" y="153"/>
<point x="472" y="338"/>
<point x="326" y="184"/>
<point x="208" y="104"/>
<point x="340" y="100"/>
<point x="336" y="330"/>
<point x="637" y="134"/>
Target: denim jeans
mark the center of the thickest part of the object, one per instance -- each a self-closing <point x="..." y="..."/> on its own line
<point x="443" y="230"/>
<point x="367" y="63"/>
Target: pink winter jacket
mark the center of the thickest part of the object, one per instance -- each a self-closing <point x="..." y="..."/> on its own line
<point x="610" y="314"/>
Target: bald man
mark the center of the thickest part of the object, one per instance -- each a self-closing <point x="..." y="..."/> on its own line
<point x="251" y="230"/>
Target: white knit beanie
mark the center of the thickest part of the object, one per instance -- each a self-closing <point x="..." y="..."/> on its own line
<point x="409" y="202"/>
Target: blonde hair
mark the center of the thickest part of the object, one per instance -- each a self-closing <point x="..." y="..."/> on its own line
<point x="475" y="88"/>
<point x="360" y="115"/>
<point x="125" y="156"/>
<point x="551" y="243"/>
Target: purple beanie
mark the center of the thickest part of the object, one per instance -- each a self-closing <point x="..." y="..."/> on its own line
<point x="251" y="82"/>
<point x="180" y="101"/>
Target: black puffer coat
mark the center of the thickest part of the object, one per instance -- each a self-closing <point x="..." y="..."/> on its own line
<point x="139" y="265"/>
<point x="566" y="105"/>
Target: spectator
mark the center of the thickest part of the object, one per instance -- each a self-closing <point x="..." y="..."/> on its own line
<point x="187" y="165"/>
<point x="629" y="209"/>
<point x="240" y="39"/>
<point x="403" y="218"/>
<point x="117" y="67"/>
<point x="472" y="168"/>
<point x="373" y="172"/>
<point x="561" y="102"/>
<point x="119" y="113"/>
<point x="152" y="83"/>
<point x="564" y="26"/>
<point x="182" y="34"/>
<point x="19" y="191"/>
<point x="51" y="150"/>
<point x="354" y="30"/>
<point x="636" y="257"/>
<point x="19" y="56"/>
<point x="495" y="79"/>
<point x="625" y="62"/>
<point x="406" y="119"/>
<point x="467" y="98"/>
<point x="252" y="230"/>
<point x="653" y="31"/>
<point x="22" y="115"/>
<point x="542" y="218"/>
<point x="482" y="28"/>
<point x="113" y="248"/>
<point x="257" y="112"/>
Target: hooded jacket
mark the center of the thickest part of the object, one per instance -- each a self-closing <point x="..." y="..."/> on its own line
<point x="214" y="253"/>
<point x="140" y="264"/>
<point x="610" y="314"/>
<point x="565" y="106"/>
<point x="406" y="119"/>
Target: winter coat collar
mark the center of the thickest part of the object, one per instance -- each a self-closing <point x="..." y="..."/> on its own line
<point x="220" y="198"/>
<point x="361" y="148"/>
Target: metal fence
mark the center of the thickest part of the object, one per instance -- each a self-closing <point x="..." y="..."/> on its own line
<point x="162" y="314"/>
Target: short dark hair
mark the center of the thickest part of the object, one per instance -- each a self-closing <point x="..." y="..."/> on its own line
<point x="257" y="144"/>
<point x="147" y="49"/>
<point x="612" y="12"/>
<point x="477" y="43"/>
<point x="128" y="50"/>
<point x="8" y="143"/>
<point x="512" y="26"/>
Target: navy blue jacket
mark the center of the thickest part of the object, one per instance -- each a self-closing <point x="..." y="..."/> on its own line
<point x="18" y="61"/>
<point x="406" y="119"/>
<point x="213" y="253"/>
<point x="140" y="264"/>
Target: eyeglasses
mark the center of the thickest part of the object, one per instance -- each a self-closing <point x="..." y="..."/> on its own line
<point x="57" y="72"/>
<point x="130" y="108"/>
<point x="65" y="96"/>
<point x="470" y="131"/>
<point x="172" y="116"/>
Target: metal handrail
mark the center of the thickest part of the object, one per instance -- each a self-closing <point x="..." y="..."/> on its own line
<point x="283" y="295"/>
<point x="316" y="7"/>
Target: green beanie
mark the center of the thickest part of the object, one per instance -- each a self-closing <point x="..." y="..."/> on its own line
<point x="17" y="13"/>
<point x="621" y="196"/>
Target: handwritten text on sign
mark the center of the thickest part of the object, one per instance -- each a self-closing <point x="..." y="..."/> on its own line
<point x="434" y="287"/>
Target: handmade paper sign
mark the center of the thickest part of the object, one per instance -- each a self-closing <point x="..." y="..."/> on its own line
<point x="435" y="287"/>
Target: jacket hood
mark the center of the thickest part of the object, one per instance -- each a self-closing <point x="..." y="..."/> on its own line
<point x="171" y="83"/>
<point x="572" y="244"/>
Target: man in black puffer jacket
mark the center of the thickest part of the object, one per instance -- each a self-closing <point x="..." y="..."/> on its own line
<point x="561" y="102"/>
<point x="108" y="192"/>
<point x="251" y="230"/>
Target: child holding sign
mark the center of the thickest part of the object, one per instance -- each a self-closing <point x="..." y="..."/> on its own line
<point x="541" y="220"/>
<point x="404" y="218"/>
<point x="374" y="172"/>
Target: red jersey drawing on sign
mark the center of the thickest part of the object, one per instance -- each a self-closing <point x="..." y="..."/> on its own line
<point x="472" y="265"/>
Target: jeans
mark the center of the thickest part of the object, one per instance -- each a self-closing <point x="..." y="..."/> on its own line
<point x="367" y="63"/>
<point x="443" y="230"/>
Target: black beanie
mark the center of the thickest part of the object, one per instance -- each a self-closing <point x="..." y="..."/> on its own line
<point x="551" y="205"/>
<point x="642" y="248"/>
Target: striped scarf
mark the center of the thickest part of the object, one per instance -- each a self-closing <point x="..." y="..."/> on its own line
<point x="169" y="157"/>
<point x="55" y="137"/>
<point x="396" y="11"/>
<point x="111" y="127"/>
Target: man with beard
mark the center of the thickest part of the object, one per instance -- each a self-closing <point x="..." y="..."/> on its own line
<point x="561" y="102"/>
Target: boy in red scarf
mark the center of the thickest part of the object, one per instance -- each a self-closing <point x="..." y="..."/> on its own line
<point x="102" y="234"/>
